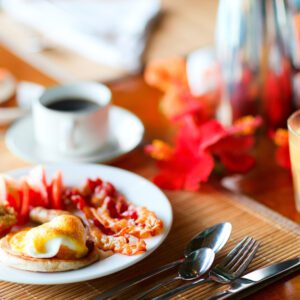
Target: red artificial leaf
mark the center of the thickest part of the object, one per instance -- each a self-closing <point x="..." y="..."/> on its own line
<point x="159" y="150"/>
<point x="179" y="167"/>
<point x="237" y="163"/>
<point x="185" y="170"/>
<point x="165" y="179"/>
<point x="164" y="73"/>
<point x="232" y="151"/>
<point x="200" y="136"/>
<point x="191" y="160"/>
<point x="199" y="173"/>
<point x="232" y="144"/>
<point x="193" y="108"/>
<point x="245" y="125"/>
<point x="282" y="156"/>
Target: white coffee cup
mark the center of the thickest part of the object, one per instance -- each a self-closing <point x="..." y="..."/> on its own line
<point x="72" y="132"/>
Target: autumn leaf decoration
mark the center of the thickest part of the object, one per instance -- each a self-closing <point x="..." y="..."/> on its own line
<point x="282" y="154"/>
<point x="201" y="142"/>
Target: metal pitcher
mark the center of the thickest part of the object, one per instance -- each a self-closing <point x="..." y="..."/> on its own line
<point x="251" y="46"/>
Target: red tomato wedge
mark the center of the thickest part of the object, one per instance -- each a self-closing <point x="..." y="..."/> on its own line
<point x="56" y="191"/>
<point x="10" y="192"/>
<point x="24" y="211"/>
<point x="38" y="186"/>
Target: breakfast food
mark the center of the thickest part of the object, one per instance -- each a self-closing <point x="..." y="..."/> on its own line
<point x="7" y="219"/>
<point x="75" y="222"/>
<point x="58" y="245"/>
<point x="42" y="215"/>
<point x="103" y="239"/>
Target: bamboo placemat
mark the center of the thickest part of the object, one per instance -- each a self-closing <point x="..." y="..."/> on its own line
<point x="193" y="212"/>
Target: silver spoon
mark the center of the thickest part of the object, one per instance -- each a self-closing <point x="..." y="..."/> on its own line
<point x="194" y="266"/>
<point x="214" y="237"/>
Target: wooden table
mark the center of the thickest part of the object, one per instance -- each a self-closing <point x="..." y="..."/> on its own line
<point x="267" y="183"/>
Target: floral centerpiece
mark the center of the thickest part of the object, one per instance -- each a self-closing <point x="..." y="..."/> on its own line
<point x="201" y="142"/>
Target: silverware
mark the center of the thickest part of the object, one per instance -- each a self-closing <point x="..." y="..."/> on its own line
<point x="194" y="266"/>
<point x="256" y="280"/>
<point x="214" y="237"/>
<point x="230" y="268"/>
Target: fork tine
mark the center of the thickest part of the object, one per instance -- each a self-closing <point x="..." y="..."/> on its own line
<point x="234" y="252"/>
<point x="244" y="264"/>
<point x="240" y="256"/>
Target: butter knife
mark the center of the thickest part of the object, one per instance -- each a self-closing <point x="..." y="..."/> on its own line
<point x="256" y="280"/>
<point x="250" y="282"/>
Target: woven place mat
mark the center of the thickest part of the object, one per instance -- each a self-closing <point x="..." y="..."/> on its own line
<point x="279" y="239"/>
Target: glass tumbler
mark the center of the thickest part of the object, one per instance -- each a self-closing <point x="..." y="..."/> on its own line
<point x="294" y="143"/>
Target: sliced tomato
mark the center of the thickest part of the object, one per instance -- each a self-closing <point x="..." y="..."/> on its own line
<point x="11" y="202"/>
<point x="38" y="186"/>
<point x="24" y="211"/>
<point x="10" y="192"/>
<point x="49" y="192"/>
<point x="35" y="198"/>
<point x="56" y="191"/>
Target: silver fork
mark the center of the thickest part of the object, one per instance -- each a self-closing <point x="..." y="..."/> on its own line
<point x="230" y="268"/>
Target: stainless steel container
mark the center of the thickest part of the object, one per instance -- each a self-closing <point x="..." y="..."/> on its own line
<point x="251" y="45"/>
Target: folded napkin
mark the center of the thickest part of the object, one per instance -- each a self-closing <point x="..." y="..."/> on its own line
<point x="112" y="32"/>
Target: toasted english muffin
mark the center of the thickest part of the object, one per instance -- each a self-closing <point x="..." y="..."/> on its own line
<point x="20" y="261"/>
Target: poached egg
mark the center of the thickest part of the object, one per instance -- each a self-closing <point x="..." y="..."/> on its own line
<point x="62" y="237"/>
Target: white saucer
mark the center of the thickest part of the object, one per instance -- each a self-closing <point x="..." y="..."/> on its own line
<point x="126" y="132"/>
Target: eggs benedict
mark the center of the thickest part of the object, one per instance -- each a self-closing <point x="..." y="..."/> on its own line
<point x="58" y="245"/>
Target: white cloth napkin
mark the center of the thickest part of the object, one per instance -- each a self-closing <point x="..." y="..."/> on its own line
<point x="112" y="32"/>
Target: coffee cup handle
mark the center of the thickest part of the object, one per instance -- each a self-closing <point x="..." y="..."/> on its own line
<point x="68" y="142"/>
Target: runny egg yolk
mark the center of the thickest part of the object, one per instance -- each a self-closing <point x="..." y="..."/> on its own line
<point x="62" y="237"/>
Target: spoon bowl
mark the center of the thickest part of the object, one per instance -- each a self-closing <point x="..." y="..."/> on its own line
<point x="214" y="237"/>
<point x="193" y="266"/>
<point x="196" y="264"/>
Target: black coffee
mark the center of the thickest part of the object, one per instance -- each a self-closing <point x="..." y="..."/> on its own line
<point x="73" y="105"/>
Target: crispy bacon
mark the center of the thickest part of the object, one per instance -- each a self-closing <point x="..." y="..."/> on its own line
<point x="144" y="226"/>
<point x="125" y="244"/>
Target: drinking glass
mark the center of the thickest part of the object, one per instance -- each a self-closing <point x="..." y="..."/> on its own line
<point x="294" y="142"/>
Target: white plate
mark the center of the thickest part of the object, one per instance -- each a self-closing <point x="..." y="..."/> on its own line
<point x="137" y="190"/>
<point x="126" y="132"/>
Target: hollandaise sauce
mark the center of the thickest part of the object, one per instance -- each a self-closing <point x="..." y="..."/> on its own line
<point x="62" y="237"/>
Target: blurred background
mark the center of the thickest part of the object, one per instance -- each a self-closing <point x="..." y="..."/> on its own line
<point x="244" y="51"/>
<point x="104" y="39"/>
